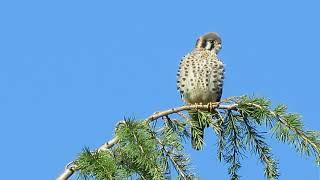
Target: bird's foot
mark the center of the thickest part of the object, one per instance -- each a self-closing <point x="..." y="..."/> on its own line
<point x="200" y="103"/>
<point x="212" y="106"/>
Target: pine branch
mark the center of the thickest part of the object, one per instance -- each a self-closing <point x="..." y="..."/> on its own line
<point x="233" y="147"/>
<point x="231" y="119"/>
<point x="171" y="137"/>
<point x="257" y="144"/>
<point x="304" y="142"/>
<point x="222" y="135"/>
<point x="72" y="167"/>
<point x="176" y="161"/>
<point x="286" y="126"/>
<point x="89" y="163"/>
<point x="138" y="151"/>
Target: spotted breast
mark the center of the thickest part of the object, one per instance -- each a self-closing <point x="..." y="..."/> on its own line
<point x="200" y="77"/>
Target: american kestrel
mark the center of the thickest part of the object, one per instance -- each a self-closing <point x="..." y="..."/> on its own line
<point x="200" y="78"/>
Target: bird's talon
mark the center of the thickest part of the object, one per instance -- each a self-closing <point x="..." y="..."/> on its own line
<point x="211" y="106"/>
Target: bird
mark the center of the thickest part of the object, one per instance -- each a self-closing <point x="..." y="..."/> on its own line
<point x="200" y="80"/>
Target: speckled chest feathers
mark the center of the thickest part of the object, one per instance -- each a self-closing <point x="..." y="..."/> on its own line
<point x="200" y="77"/>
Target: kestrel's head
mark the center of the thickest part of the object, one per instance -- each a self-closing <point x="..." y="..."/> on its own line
<point x="210" y="41"/>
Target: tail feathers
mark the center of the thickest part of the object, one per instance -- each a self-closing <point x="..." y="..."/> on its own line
<point x="197" y="131"/>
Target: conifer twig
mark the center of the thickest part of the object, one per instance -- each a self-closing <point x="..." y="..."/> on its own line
<point x="72" y="167"/>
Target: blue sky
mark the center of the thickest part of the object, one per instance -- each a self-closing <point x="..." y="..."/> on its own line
<point x="69" y="70"/>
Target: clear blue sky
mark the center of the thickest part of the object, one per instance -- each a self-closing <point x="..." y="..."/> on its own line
<point x="69" y="70"/>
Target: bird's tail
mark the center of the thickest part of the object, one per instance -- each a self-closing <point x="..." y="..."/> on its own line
<point x="197" y="129"/>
